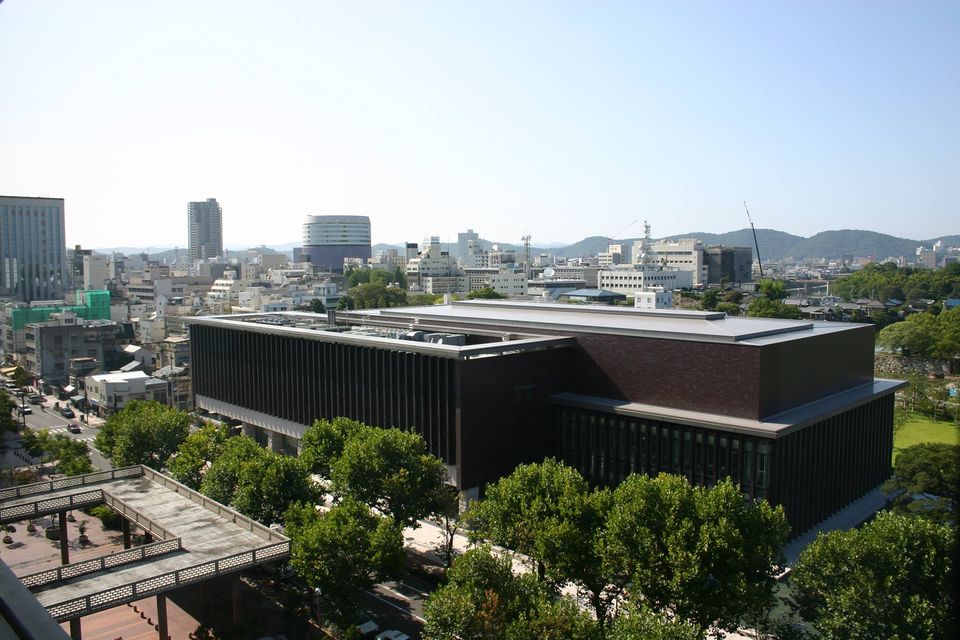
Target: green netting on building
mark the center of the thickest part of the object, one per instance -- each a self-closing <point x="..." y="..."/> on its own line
<point x="91" y="305"/>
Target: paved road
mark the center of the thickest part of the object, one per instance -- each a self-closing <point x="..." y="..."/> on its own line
<point x="46" y="417"/>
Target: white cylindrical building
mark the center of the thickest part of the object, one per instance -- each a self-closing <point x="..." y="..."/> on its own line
<point x="328" y="240"/>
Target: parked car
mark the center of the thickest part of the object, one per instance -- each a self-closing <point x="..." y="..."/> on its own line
<point x="36" y="398"/>
<point x="24" y="410"/>
<point x="74" y="427"/>
<point x="392" y="634"/>
<point x="67" y="412"/>
<point x="367" y="628"/>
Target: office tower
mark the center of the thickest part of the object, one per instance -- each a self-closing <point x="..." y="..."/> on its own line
<point x="205" y="230"/>
<point x="463" y="244"/>
<point x="33" y="252"/>
<point x="328" y="240"/>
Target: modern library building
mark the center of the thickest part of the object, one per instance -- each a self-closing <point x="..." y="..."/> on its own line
<point x="790" y="410"/>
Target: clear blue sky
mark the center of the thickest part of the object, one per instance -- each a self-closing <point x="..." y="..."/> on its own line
<point x="561" y="119"/>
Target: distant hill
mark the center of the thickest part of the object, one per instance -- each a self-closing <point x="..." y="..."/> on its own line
<point x="774" y="245"/>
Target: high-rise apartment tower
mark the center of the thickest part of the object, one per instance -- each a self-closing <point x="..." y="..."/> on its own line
<point x="204" y="229"/>
<point x="33" y="252"/>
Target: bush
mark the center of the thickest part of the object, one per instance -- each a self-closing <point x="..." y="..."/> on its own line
<point x="111" y="519"/>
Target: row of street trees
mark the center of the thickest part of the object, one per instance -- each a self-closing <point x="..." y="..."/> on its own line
<point x="659" y="551"/>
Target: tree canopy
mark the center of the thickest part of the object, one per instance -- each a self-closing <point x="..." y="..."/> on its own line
<point x="372" y="295"/>
<point x="890" y="578"/>
<point x="887" y="281"/>
<point x="702" y="554"/>
<point x="926" y="478"/>
<point x="71" y="457"/>
<point x="485" y="293"/>
<point x="765" y="307"/>
<point x="193" y="454"/>
<point x="925" y="334"/>
<point x="343" y="551"/>
<point x="143" y="433"/>
<point x="484" y="600"/>
<point x="391" y="471"/>
<point x="257" y="482"/>
<point x="324" y="440"/>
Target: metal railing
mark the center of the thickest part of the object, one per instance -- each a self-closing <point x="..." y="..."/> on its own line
<point x="114" y="596"/>
<point x="223" y="512"/>
<point x="102" y="563"/>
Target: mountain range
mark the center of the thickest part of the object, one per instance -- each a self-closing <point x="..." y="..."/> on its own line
<point x="774" y="245"/>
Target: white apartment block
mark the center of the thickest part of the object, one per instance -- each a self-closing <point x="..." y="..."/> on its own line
<point x="638" y="278"/>
<point x="686" y="255"/>
<point x="96" y="271"/>
<point x="653" y="298"/>
<point x="113" y="391"/>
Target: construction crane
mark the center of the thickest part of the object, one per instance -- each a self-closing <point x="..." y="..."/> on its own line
<point x="755" y="243"/>
<point x="619" y="231"/>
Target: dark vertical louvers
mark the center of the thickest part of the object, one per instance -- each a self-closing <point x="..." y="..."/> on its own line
<point x="302" y="380"/>
<point x="812" y="472"/>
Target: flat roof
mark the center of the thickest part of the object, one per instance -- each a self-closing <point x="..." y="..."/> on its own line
<point x="210" y="539"/>
<point x="313" y="326"/>
<point x="663" y="323"/>
<point x="775" y="426"/>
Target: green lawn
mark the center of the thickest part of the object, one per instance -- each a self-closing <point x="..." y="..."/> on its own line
<point x="923" y="429"/>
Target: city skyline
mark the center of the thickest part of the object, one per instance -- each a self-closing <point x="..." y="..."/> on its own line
<point x="563" y="121"/>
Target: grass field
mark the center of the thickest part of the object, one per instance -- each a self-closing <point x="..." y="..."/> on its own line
<point x="923" y="429"/>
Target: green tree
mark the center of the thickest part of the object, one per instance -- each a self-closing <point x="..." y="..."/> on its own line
<point x="373" y="295"/>
<point x="484" y="600"/>
<point x="773" y="289"/>
<point x="636" y="622"/>
<point x="729" y="308"/>
<point x="270" y="484"/>
<point x="926" y="479"/>
<point x="69" y="456"/>
<point x="20" y="377"/>
<point x="709" y="299"/>
<point x="888" y="579"/>
<point x="925" y="334"/>
<point x="316" y="306"/>
<point x="145" y="433"/>
<point x="324" y="441"/>
<point x="343" y="551"/>
<point x="221" y="480"/>
<point x="423" y="299"/>
<point x="7" y="423"/>
<point x="188" y="464"/>
<point x="703" y="554"/>
<point x="547" y="512"/>
<point x="391" y="471"/>
<point x="486" y="293"/>
<point x="769" y="308"/>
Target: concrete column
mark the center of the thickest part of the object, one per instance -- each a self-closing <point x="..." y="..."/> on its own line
<point x="237" y="604"/>
<point x="162" y="616"/>
<point x="274" y="440"/>
<point x="64" y="549"/>
<point x="249" y="429"/>
<point x="75" y="631"/>
<point x="125" y="525"/>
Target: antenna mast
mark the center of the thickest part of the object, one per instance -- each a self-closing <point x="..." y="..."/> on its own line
<point x="755" y="243"/>
<point x="526" y="254"/>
